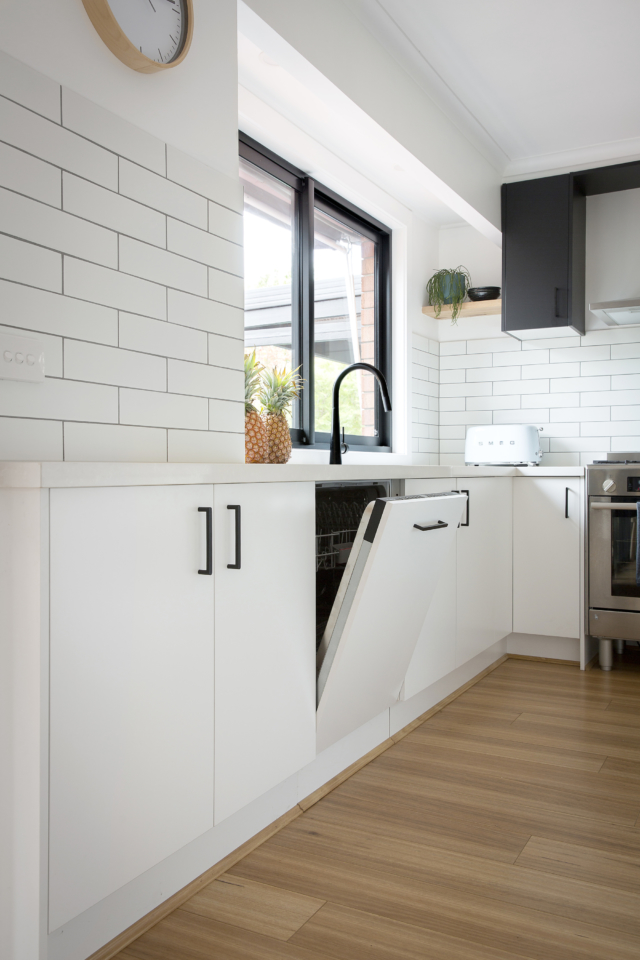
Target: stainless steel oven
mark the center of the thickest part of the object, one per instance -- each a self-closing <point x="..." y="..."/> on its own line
<point x="612" y="530"/>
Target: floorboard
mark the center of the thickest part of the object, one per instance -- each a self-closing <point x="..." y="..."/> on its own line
<point x="505" y="827"/>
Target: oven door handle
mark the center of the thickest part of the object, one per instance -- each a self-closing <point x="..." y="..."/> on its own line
<point x="614" y="506"/>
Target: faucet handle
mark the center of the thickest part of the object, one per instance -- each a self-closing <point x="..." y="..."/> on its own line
<point x="343" y="446"/>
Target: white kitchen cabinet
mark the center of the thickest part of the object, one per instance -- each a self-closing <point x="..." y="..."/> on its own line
<point x="265" y="638"/>
<point x="131" y="721"/>
<point x="435" y="652"/>
<point x="546" y="556"/>
<point x="484" y="580"/>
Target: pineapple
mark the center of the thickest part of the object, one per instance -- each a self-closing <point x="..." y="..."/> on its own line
<point x="277" y="391"/>
<point x="256" y="449"/>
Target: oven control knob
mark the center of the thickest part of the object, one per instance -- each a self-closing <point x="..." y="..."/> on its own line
<point x="608" y="486"/>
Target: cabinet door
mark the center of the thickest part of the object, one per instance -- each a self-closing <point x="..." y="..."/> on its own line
<point x="131" y="749"/>
<point x="543" y="231"/>
<point x="546" y="556"/>
<point x="484" y="567"/>
<point x="435" y="652"/>
<point x="265" y="638"/>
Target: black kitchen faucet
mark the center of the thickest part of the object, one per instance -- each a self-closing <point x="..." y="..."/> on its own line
<point x="336" y="447"/>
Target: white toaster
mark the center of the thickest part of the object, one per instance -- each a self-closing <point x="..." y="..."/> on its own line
<point x="502" y="444"/>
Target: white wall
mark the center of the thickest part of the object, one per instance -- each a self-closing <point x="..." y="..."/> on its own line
<point x="124" y="256"/>
<point x="460" y="244"/>
<point x="613" y="247"/>
<point x="193" y="107"/>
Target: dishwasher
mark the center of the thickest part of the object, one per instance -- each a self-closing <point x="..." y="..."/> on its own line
<point x="379" y="556"/>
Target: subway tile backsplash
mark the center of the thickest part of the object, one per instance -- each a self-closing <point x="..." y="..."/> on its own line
<point x="583" y="393"/>
<point x="125" y="256"/>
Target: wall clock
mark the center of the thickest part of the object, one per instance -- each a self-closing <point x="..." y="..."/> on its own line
<point x="147" y="35"/>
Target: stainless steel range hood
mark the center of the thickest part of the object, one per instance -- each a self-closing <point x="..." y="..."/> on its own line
<point x="617" y="312"/>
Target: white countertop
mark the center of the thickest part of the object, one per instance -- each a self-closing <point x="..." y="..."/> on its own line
<point x="38" y="475"/>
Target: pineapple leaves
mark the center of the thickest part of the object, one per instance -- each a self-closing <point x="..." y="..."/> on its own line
<point x="278" y="389"/>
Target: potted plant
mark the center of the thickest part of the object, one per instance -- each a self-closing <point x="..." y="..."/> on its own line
<point x="448" y="286"/>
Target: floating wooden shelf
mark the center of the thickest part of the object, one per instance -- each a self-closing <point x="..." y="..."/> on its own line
<point x="477" y="308"/>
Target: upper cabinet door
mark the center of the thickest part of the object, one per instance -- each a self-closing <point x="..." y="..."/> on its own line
<point x="543" y="251"/>
<point x="546" y="556"/>
<point x="131" y="754"/>
<point x="387" y="587"/>
<point x="265" y="637"/>
<point x="484" y="566"/>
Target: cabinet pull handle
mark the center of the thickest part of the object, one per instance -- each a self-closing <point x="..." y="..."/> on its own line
<point x="559" y="298"/>
<point x="566" y="503"/>
<point x="438" y="525"/>
<point x="466" y="523"/>
<point x="208" y="571"/>
<point x="236" y="508"/>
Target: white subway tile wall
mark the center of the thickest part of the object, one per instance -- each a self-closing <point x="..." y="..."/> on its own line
<point x="125" y="257"/>
<point x="425" y="401"/>
<point x="583" y="393"/>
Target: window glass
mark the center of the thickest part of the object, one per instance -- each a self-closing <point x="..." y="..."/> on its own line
<point x="269" y="208"/>
<point x="344" y="328"/>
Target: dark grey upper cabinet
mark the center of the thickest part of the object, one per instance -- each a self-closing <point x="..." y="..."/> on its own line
<point x="543" y="252"/>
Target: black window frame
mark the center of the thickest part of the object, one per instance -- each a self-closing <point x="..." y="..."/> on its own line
<point x="309" y="194"/>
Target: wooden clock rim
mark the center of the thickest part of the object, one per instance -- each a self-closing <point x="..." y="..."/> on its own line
<point x="112" y="34"/>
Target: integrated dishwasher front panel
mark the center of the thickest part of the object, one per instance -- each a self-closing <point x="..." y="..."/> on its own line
<point x="384" y="596"/>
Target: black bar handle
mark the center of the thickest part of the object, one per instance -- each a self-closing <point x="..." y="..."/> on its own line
<point x="466" y="523"/>
<point x="208" y="571"/>
<point x="566" y="503"/>
<point x="438" y="525"/>
<point x="237" y="564"/>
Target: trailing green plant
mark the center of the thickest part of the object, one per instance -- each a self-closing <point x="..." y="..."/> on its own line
<point x="448" y="286"/>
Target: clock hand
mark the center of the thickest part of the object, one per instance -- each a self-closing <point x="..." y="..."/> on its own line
<point x="152" y="7"/>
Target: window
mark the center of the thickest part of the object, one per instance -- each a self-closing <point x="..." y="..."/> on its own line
<point x="317" y="296"/>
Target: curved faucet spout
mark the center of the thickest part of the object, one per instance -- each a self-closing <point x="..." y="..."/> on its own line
<point x="336" y="452"/>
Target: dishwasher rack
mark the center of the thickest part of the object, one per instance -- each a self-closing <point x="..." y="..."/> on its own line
<point x="339" y="509"/>
<point x="333" y="549"/>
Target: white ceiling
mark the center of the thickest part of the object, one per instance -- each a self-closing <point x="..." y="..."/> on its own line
<point x="538" y="85"/>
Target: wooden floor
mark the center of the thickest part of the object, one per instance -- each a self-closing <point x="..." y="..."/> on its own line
<point x="505" y="826"/>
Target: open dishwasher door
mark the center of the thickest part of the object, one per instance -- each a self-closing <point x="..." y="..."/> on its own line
<point x="384" y="596"/>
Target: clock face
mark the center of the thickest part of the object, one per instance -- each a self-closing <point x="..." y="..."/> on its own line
<point x="157" y="28"/>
